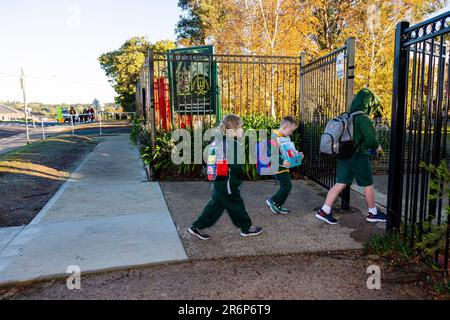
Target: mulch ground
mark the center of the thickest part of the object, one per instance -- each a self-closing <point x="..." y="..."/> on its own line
<point x="291" y="277"/>
<point x="30" y="176"/>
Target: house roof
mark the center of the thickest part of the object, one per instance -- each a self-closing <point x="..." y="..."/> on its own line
<point x="8" y="110"/>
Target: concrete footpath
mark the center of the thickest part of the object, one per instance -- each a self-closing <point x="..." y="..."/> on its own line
<point x="105" y="217"/>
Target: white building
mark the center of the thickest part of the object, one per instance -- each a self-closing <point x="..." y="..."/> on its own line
<point x="10" y="114"/>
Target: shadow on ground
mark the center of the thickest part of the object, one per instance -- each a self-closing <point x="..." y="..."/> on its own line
<point x="299" y="232"/>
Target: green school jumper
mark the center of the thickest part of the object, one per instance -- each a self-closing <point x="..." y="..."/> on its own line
<point x="283" y="176"/>
<point x="226" y="196"/>
<point x="364" y="138"/>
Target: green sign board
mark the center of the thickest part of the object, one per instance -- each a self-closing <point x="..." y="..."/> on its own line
<point x="59" y="114"/>
<point x="193" y="80"/>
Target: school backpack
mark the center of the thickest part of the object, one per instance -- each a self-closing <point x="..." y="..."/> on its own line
<point x="337" y="139"/>
<point x="263" y="154"/>
<point x="217" y="164"/>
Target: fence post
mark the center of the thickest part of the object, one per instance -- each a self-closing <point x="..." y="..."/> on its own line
<point x="72" y="124"/>
<point x="301" y="85"/>
<point x="43" y="129"/>
<point x="100" y="121"/>
<point x="151" y="101"/>
<point x="349" y="94"/>
<point x="399" y="91"/>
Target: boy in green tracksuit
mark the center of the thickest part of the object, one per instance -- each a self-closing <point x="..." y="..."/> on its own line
<point x="225" y="192"/>
<point x="287" y="126"/>
<point x="358" y="166"/>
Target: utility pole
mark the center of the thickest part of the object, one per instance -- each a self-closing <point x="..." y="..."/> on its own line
<point x="22" y="85"/>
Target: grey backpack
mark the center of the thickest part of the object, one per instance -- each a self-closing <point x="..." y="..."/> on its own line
<point x="337" y="139"/>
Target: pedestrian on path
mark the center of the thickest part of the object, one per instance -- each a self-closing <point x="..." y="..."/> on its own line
<point x="283" y="176"/>
<point x="358" y="165"/>
<point x="225" y="192"/>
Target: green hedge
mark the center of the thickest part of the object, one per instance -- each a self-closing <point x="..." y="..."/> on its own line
<point x="160" y="158"/>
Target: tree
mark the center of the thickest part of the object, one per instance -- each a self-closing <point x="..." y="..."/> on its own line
<point x="123" y="66"/>
<point x="286" y="27"/>
<point x="374" y="28"/>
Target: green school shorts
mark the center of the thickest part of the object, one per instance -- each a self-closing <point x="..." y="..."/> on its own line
<point x="358" y="166"/>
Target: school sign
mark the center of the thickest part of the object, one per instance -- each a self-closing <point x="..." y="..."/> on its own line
<point x="193" y="80"/>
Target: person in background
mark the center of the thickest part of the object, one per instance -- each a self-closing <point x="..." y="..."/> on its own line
<point x="73" y="114"/>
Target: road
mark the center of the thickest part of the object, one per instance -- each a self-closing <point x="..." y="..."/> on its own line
<point x="13" y="135"/>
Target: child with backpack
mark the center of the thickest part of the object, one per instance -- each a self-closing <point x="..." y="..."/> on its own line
<point x="353" y="155"/>
<point x="225" y="192"/>
<point x="287" y="126"/>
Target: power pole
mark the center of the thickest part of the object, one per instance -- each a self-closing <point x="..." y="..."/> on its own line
<point x="22" y="85"/>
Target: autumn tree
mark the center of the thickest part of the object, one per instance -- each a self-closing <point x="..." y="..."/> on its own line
<point x="373" y="26"/>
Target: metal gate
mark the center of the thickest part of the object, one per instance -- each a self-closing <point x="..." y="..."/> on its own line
<point x="271" y="86"/>
<point x="326" y="87"/>
<point x="421" y="97"/>
<point x="242" y="84"/>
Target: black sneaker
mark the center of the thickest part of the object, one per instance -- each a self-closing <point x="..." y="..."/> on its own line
<point x="379" y="217"/>
<point x="328" y="218"/>
<point x="272" y="205"/>
<point x="253" y="231"/>
<point x="198" y="234"/>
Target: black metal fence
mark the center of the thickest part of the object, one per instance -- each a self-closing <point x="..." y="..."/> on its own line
<point x="326" y="87"/>
<point x="421" y="97"/>
<point x="240" y="84"/>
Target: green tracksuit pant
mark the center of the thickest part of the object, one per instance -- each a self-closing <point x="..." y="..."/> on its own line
<point x="284" y="180"/>
<point x="219" y="202"/>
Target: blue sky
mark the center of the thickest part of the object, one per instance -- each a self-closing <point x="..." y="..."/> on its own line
<point x="58" y="42"/>
<point x="62" y="39"/>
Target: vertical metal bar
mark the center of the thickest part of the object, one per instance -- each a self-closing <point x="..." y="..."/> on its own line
<point x="151" y="94"/>
<point x="410" y="141"/>
<point x="418" y="144"/>
<point x="436" y="152"/>
<point x="289" y="104"/>
<point x="265" y="88"/>
<point x="43" y="129"/>
<point x="253" y="86"/>
<point x="427" y="140"/>
<point x="259" y="85"/>
<point x="349" y="93"/>
<point x="395" y="185"/>
<point x="229" y="84"/>
<point x="236" y="90"/>
<point x="301" y="86"/>
<point x="247" y="98"/>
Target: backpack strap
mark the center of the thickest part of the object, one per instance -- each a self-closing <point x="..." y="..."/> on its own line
<point x="356" y="113"/>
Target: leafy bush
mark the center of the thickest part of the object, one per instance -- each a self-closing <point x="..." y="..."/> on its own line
<point x="161" y="161"/>
<point x="390" y="244"/>
<point x="434" y="238"/>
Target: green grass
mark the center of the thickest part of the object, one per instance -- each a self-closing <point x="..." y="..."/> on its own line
<point x="389" y="244"/>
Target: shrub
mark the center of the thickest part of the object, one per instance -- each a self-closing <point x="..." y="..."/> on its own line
<point x="390" y="244"/>
<point x="161" y="161"/>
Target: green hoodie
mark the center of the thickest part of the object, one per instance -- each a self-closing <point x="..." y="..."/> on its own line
<point x="364" y="134"/>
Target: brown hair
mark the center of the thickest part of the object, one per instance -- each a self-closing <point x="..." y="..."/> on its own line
<point x="289" y="120"/>
<point x="230" y="121"/>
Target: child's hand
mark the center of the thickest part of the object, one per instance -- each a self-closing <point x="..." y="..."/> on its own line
<point x="286" y="163"/>
<point x="303" y="156"/>
<point x="380" y="151"/>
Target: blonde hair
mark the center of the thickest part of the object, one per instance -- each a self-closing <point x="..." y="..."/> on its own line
<point x="289" y="120"/>
<point x="230" y="121"/>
